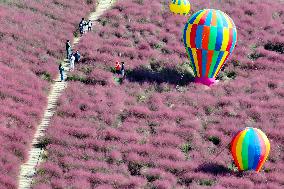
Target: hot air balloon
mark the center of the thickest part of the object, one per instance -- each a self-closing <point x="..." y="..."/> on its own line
<point x="250" y="148"/>
<point x="209" y="38"/>
<point x="181" y="7"/>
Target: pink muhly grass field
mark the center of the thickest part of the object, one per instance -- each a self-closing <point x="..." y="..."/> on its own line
<point x="154" y="130"/>
<point x="32" y="41"/>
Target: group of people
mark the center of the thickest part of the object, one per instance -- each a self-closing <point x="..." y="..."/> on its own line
<point x="84" y="26"/>
<point x="71" y="57"/>
<point x="75" y="57"/>
<point x="120" y="69"/>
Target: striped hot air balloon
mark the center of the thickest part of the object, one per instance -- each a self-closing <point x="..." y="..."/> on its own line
<point x="250" y="148"/>
<point x="181" y="7"/>
<point x="209" y="37"/>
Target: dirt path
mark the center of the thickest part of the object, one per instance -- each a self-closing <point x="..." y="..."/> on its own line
<point x="28" y="169"/>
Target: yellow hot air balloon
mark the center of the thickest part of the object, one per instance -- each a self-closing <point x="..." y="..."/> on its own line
<point x="181" y="7"/>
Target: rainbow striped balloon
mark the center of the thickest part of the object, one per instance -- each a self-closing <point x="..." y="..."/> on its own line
<point x="250" y="148"/>
<point x="181" y="7"/>
<point x="209" y="37"/>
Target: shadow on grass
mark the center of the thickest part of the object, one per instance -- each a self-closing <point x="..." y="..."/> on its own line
<point x="214" y="169"/>
<point x="165" y="75"/>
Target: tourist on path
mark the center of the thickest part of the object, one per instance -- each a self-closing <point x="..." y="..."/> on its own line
<point x="82" y="25"/>
<point x="68" y="49"/>
<point x="61" y="70"/>
<point x="72" y="62"/>
<point x="77" y="56"/>
<point x="90" y="25"/>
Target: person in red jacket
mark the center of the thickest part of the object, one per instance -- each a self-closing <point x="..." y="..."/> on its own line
<point x="117" y="67"/>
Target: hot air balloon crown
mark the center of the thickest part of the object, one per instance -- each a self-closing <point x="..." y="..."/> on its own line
<point x="181" y="7"/>
<point x="250" y="148"/>
<point x="209" y="37"/>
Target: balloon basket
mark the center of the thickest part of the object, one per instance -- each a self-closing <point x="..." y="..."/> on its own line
<point x="205" y="81"/>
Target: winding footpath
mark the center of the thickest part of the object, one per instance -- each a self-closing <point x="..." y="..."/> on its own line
<point x="28" y="169"/>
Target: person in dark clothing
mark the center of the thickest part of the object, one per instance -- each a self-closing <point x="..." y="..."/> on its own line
<point x="68" y="49"/>
<point x="81" y="26"/>
<point x="77" y="56"/>
<point x="61" y="70"/>
<point x="122" y="70"/>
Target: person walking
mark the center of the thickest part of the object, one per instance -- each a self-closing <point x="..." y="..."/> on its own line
<point x="77" y="56"/>
<point x="81" y="26"/>
<point x="90" y="25"/>
<point x="61" y="70"/>
<point x="122" y="70"/>
<point x="68" y="49"/>
<point x="72" y="62"/>
<point x="117" y="67"/>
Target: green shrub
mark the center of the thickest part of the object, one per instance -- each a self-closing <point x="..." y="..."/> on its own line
<point x="206" y="182"/>
<point x="214" y="139"/>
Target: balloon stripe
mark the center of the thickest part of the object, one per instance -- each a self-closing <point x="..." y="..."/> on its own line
<point x="239" y="149"/>
<point x="263" y="149"/>
<point x="212" y="38"/>
<point x="199" y="58"/>
<point x="225" y="21"/>
<point x="234" y="148"/>
<point x="219" y="39"/>
<point x="257" y="150"/>
<point x="179" y="2"/>
<point x="222" y="62"/>
<point x="204" y="61"/>
<point x="234" y="39"/>
<point x="194" y="53"/>
<point x="219" y="20"/>
<point x="214" y="19"/>
<point x="266" y="148"/>
<point x="225" y="39"/>
<point x="192" y="36"/>
<point x="196" y="21"/>
<point x="186" y="34"/>
<point x="191" y="21"/>
<point x="208" y="18"/>
<point x="230" y="39"/>
<point x="252" y="148"/>
<point x="174" y="1"/>
<point x="209" y="62"/>
<point x="189" y="52"/>
<point x="198" y="37"/>
<point x="220" y="56"/>
<point x="205" y="37"/>
<point x="203" y="18"/>
<point x="229" y="22"/>
<point x="214" y="60"/>
<point x="245" y="150"/>
<point x="232" y="22"/>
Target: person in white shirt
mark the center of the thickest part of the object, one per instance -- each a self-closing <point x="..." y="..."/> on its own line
<point x="72" y="62"/>
<point x="90" y="25"/>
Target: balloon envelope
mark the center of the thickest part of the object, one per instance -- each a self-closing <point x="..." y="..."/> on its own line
<point x="250" y="148"/>
<point x="180" y="7"/>
<point x="209" y="37"/>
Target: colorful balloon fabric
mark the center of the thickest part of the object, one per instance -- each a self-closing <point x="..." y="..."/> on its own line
<point x="209" y="37"/>
<point x="181" y="7"/>
<point x="250" y="148"/>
